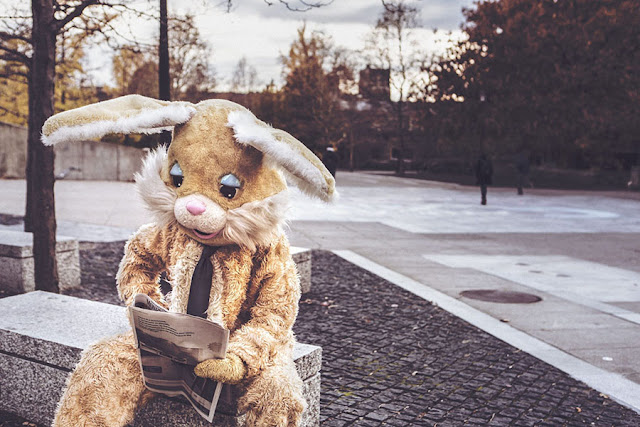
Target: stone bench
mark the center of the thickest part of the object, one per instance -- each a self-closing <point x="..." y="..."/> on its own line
<point x="17" y="265"/>
<point x="302" y="258"/>
<point x="42" y="335"/>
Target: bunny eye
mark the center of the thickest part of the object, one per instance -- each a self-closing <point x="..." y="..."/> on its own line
<point x="229" y="185"/>
<point x="176" y="175"/>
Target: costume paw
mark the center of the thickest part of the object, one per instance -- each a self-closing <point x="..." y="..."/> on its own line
<point x="230" y="370"/>
<point x="148" y="289"/>
<point x="284" y="416"/>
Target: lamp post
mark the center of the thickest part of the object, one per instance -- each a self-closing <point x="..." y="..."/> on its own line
<point x="481" y="123"/>
<point x="164" y="78"/>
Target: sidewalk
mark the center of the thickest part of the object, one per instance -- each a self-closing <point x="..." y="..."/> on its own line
<point x="390" y="358"/>
<point x="577" y="251"/>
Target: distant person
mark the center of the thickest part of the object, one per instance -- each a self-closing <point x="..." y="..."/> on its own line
<point x="522" y="168"/>
<point x="484" y="175"/>
<point x="330" y="160"/>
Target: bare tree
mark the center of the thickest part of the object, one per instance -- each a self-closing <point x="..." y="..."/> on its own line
<point x="245" y="77"/>
<point x="135" y="67"/>
<point x="391" y="45"/>
<point x="191" y="71"/>
<point x="29" y="38"/>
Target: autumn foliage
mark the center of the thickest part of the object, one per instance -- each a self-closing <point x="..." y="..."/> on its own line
<point x="559" y="77"/>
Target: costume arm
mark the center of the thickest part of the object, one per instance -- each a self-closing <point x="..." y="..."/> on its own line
<point x="145" y="257"/>
<point x="272" y="316"/>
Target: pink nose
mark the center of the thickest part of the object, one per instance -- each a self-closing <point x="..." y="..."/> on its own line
<point x="195" y="207"/>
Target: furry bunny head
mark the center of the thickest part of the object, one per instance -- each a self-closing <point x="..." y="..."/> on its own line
<point x="222" y="178"/>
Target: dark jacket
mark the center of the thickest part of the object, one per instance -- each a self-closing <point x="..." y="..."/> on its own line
<point x="484" y="171"/>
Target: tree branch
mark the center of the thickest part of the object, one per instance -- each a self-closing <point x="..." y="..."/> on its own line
<point x="14" y="55"/>
<point x="76" y="12"/>
<point x="130" y="9"/>
<point x="307" y="5"/>
<point x="11" y="76"/>
<point x="8" y="36"/>
<point x="14" y="113"/>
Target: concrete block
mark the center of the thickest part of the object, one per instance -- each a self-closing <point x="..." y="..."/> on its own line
<point x="43" y="334"/>
<point x="17" y="265"/>
<point x="302" y="258"/>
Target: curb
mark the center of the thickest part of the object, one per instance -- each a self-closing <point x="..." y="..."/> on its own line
<point x="617" y="387"/>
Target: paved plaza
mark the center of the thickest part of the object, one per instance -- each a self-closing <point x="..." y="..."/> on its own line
<point x="577" y="251"/>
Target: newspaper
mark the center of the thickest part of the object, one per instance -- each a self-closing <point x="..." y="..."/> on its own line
<point x="170" y="345"/>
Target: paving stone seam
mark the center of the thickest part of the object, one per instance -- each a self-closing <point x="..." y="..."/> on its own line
<point x="616" y="386"/>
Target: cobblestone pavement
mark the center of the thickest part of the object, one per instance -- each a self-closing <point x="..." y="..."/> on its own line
<point x="390" y="358"/>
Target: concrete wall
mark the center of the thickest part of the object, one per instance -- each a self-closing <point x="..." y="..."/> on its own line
<point x="13" y="150"/>
<point x="87" y="160"/>
<point x="97" y="161"/>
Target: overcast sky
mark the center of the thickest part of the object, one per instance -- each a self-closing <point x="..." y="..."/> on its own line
<point x="262" y="33"/>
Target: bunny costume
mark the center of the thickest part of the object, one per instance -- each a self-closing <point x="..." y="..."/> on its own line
<point x="221" y="184"/>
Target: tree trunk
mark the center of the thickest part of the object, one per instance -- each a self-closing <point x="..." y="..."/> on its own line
<point x="351" y="149"/>
<point x="400" y="167"/>
<point x="40" y="213"/>
<point x="164" y="82"/>
<point x="29" y="209"/>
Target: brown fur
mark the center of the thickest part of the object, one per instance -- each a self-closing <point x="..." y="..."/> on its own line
<point x="205" y="149"/>
<point x="255" y="287"/>
<point x="259" y="300"/>
<point x="106" y="386"/>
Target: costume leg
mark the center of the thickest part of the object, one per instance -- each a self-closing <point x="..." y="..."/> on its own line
<point x="274" y="398"/>
<point x="520" y="184"/>
<point x="106" y="386"/>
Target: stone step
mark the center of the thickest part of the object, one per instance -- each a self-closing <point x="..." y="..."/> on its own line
<point x="43" y="334"/>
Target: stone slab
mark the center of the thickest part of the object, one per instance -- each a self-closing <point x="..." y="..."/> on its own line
<point x="30" y="389"/>
<point x="628" y="305"/>
<point x="18" y="274"/>
<point x="17" y="263"/>
<point x="582" y="339"/>
<point x="59" y="320"/>
<point x="302" y="258"/>
<point x="41" y="338"/>
<point x="619" y="360"/>
<point x="19" y="244"/>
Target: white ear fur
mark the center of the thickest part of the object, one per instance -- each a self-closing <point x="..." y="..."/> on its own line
<point x="127" y="114"/>
<point x="158" y="197"/>
<point x="302" y="167"/>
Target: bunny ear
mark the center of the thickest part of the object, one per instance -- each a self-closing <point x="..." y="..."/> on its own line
<point x="127" y="114"/>
<point x="300" y="165"/>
